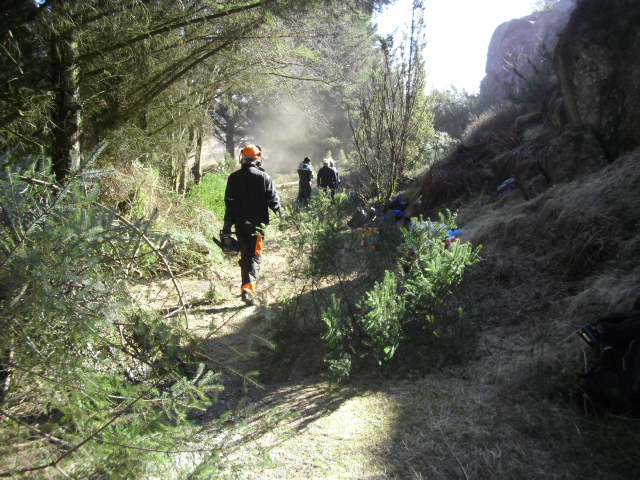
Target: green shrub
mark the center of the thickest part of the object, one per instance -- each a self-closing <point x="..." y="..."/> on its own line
<point x="210" y="193"/>
<point x="326" y="264"/>
<point x="440" y="146"/>
<point x="362" y="301"/>
<point x="452" y="110"/>
<point x="383" y="312"/>
<point x="81" y="361"/>
<point x="403" y="305"/>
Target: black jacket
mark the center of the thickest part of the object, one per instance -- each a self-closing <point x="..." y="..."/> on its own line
<point x="328" y="177"/>
<point x="305" y="174"/>
<point x="249" y="195"/>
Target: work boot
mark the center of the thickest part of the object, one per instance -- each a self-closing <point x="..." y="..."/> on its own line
<point x="248" y="298"/>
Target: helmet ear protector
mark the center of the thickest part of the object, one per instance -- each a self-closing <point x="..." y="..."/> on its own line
<point x="251" y="151"/>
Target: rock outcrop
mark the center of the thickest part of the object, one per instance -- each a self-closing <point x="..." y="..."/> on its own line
<point x="597" y="61"/>
<point x="572" y="154"/>
<point x="579" y="62"/>
<point x="584" y="115"/>
<point x="519" y="59"/>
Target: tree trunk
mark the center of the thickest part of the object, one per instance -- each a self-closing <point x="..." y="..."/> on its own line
<point x="183" y="165"/>
<point x="65" y="146"/>
<point x="230" y="142"/>
<point x="6" y="359"/>
<point x="197" y="167"/>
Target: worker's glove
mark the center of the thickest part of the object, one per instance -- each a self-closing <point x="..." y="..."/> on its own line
<point x="226" y="228"/>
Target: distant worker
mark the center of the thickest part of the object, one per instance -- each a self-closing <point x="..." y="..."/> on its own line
<point x="249" y="195"/>
<point x="305" y="175"/>
<point x="328" y="177"/>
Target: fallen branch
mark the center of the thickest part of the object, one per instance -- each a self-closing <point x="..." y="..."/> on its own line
<point x="286" y="185"/>
<point x="34" y="430"/>
<point x="33" y="181"/>
<point x="130" y="225"/>
<point x="54" y="463"/>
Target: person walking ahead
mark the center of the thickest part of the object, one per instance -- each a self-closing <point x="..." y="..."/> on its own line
<point x="328" y="177"/>
<point x="249" y="195"/>
<point x="305" y="175"/>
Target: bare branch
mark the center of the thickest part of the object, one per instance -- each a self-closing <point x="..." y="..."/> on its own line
<point x="158" y="252"/>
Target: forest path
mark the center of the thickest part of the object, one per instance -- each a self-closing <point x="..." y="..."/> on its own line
<point x="323" y="432"/>
<point x="497" y="415"/>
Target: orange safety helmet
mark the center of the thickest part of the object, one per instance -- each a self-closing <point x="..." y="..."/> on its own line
<point x="252" y="151"/>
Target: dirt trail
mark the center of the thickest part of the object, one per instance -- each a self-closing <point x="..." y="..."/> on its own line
<point x="324" y="433"/>
<point x="501" y="414"/>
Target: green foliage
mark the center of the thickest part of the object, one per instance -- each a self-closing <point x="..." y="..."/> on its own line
<point x="382" y="321"/>
<point x="392" y="120"/>
<point x="143" y="73"/>
<point x="332" y="316"/>
<point x="328" y="272"/>
<point x="229" y="164"/>
<point x="441" y="145"/>
<point x="403" y="305"/>
<point x="340" y="369"/>
<point x="210" y="193"/>
<point x="81" y="361"/>
<point x="331" y="249"/>
<point x="452" y="110"/>
<point x="362" y="301"/>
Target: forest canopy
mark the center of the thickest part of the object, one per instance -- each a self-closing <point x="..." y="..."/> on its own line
<point x="145" y="74"/>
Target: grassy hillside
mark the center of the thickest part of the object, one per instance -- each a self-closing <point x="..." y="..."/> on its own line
<point x="555" y="256"/>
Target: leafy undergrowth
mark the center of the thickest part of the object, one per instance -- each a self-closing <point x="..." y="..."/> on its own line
<point x="494" y="395"/>
<point x="513" y="408"/>
<point x="509" y="407"/>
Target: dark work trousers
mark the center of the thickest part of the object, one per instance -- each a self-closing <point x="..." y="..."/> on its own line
<point x="330" y="191"/>
<point x="304" y="191"/>
<point x="250" y="253"/>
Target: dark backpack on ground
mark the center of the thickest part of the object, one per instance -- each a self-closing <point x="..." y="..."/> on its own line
<point x="613" y="382"/>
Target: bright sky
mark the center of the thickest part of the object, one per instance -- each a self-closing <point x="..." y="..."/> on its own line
<point x="458" y="34"/>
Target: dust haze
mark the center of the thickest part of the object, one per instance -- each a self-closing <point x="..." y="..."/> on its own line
<point x="288" y="130"/>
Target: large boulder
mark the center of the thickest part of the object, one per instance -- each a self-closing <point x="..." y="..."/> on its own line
<point x="572" y="154"/>
<point x="597" y="61"/>
<point x="519" y="59"/>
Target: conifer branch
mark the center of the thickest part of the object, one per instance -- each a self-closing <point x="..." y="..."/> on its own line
<point x="116" y="416"/>
<point x="167" y="29"/>
<point x="34" y="429"/>
<point x="153" y="247"/>
<point x="167" y="452"/>
<point x="244" y="377"/>
<point x="33" y="181"/>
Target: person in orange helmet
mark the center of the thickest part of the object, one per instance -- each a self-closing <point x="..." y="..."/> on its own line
<point x="249" y="195"/>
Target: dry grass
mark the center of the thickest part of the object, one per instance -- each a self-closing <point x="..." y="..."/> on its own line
<point x="573" y="229"/>
<point x="550" y="265"/>
<point x="471" y="170"/>
<point x="493" y="120"/>
<point x="488" y="423"/>
<point x="493" y="151"/>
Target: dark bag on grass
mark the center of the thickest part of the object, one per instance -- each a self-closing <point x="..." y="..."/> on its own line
<point x="614" y="380"/>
